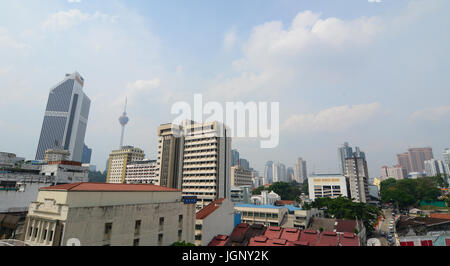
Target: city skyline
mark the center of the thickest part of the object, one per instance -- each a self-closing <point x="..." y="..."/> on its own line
<point x="317" y="114"/>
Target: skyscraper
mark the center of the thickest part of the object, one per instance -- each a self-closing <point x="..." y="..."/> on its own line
<point x="87" y="154"/>
<point x="417" y="157"/>
<point x="196" y="158"/>
<point x="300" y="171"/>
<point x="413" y="160"/>
<point x="234" y="157"/>
<point x="447" y="157"/>
<point x="290" y="174"/>
<point x="65" y="119"/>
<point x="118" y="161"/>
<point x="344" y="152"/>
<point x="358" y="178"/>
<point x="123" y="120"/>
<point x="268" y="172"/>
<point x="435" y="167"/>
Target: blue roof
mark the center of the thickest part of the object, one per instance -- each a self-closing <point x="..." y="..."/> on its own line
<point x="289" y="207"/>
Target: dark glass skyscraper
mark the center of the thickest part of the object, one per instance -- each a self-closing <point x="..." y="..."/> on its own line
<point x="65" y="119"/>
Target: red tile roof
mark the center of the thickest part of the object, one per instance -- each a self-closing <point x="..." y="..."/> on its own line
<point x="445" y="216"/>
<point x="274" y="232"/>
<point x="65" y="163"/>
<point x="284" y="202"/>
<point x="205" y="212"/>
<point x="291" y="234"/>
<point x="328" y="239"/>
<point x="310" y="236"/>
<point x="345" y="226"/>
<point x="263" y="241"/>
<point x="349" y="239"/>
<point x="105" y="187"/>
<point x="301" y="243"/>
<point x="218" y="241"/>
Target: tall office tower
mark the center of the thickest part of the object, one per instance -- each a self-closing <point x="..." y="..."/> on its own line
<point x="65" y="119"/>
<point x="268" y="172"/>
<point x="435" y="167"/>
<point x="279" y="172"/>
<point x="300" y="171"/>
<point x="170" y="156"/>
<point x="290" y="174"/>
<point x="344" y="152"/>
<point x="234" y="157"/>
<point x="206" y="161"/>
<point x="403" y="161"/>
<point x="244" y="164"/>
<point x="87" y="153"/>
<point x="358" y="153"/>
<point x="417" y="157"/>
<point x="123" y="120"/>
<point x="118" y="161"/>
<point x="358" y="178"/>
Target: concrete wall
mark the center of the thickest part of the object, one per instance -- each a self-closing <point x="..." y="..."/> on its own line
<point x="220" y="222"/>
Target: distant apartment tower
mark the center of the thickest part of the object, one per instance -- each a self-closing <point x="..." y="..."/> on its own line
<point x="241" y="177"/>
<point x="358" y="178"/>
<point x="279" y="172"/>
<point x="142" y="172"/>
<point x="66" y="118"/>
<point x="290" y="174"/>
<point x="118" y="161"/>
<point x="87" y="154"/>
<point x="435" y="167"/>
<point x="170" y="156"/>
<point x="447" y="157"/>
<point x="414" y="159"/>
<point x="346" y="151"/>
<point x="268" y="172"/>
<point x="244" y="163"/>
<point x="206" y="161"/>
<point x="300" y="171"/>
<point x="395" y="171"/>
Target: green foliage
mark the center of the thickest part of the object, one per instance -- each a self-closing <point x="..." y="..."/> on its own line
<point x="182" y="244"/>
<point x="409" y="192"/>
<point x="97" y="177"/>
<point x="345" y="208"/>
<point x="285" y="190"/>
<point x="305" y="187"/>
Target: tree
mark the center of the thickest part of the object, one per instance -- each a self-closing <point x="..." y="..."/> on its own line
<point x="182" y="244"/>
<point x="286" y="191"/>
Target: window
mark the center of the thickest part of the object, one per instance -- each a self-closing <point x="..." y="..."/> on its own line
<point x="160" y="239"/>
<point x="161" y="223"/>
<point x="108" y="229"/>
<point x="136" y="242"/>
<point x="180" y="235"/>
<point x="137" y="227"/>
<point x="198" y="227"/>
<point x="198" y="237"/>
<point x="50" y="237"/>
<point x="44" y="237"/>
<point x="180" y="220"/>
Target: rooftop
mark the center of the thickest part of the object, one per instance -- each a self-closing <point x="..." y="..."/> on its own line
<point x="205" y="212"/>
<point x="105" y="187"/>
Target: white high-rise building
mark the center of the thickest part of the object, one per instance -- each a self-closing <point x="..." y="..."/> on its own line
<point x="300" y="171"/>
<point x="357" y="174"/>
<point x="435" y="167"/>
<point x="279" y="172"/>
<point x="142" y="172"/>
<point x="65" y="119"/>
<point x="206" y="161"/>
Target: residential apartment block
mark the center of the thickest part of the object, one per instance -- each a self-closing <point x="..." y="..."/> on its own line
<point x="327" y="186"/>
<point x="118" y="161"/>
<point x="142" y="172"/>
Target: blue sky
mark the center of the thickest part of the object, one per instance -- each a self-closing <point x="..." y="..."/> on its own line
<point x="371" y="73"/>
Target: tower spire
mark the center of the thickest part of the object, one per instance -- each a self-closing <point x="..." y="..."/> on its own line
<point x="123" y="122"/>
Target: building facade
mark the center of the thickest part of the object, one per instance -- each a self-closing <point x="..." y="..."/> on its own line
<point x="90" y="214"/>
<point x="65" y="172"/>
<point x="241" y="177"/>
<point x="87" y="154"/>
<point x="216" y="218"/>
<point x="327" y="186"/>
<point x="300" y="171"/>
<point x="435" y="167"/>
<point x="142" y="172"/>
<point x="66" y="118"/>
<point x="396" y="171"/>
<point x="56" y="155"/>
<point x="358" y="179"/>
<point x="170" y="156"/>
<point x="268" y="215"/>
<point x="118" y="161"/>
<point x="413" y="160"/>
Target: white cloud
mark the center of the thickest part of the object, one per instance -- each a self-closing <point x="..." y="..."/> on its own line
<point x="146" y="91"/>
<point x="374" y="1"/>
<point x="230" y="39"/>
<point x="74" y="1"/>
<point x="64" y="20"/>
<point x="6" y="41"/>
<point x="431" y="114"/>
<point x="5" y="70"/>
<point x="332" y="119"/>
